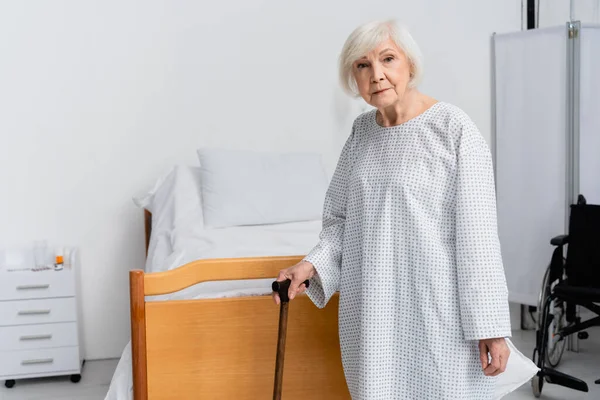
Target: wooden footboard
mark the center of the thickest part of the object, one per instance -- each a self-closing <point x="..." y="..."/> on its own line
<point x="226" y="348"/>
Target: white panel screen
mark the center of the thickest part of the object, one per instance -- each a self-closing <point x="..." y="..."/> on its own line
<point x="530" y="152"/>
<point x="589" y="114"/>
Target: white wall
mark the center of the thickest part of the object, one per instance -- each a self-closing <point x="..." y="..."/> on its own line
<point x="559" y="12"/>
<point x="99" y="97"/>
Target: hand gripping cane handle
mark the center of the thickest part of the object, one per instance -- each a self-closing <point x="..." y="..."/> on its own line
<point x="282" y="289"/>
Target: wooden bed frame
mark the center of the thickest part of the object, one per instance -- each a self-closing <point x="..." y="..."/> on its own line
<point x="225" y="348"/>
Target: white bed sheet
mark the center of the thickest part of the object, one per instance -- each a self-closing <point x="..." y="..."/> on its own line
<point x="192" y="242"/>
<point x="189" y="242"/>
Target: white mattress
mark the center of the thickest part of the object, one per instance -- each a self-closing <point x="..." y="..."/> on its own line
<point x="187" y="242"/>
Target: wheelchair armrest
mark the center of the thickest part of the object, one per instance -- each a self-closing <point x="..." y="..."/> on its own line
<point x="559" y="240"/>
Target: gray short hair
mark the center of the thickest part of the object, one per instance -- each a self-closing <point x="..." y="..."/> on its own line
<point x="367" y="37"/>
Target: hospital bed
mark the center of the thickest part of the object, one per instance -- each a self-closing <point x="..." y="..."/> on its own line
<point x="203" y="321"/>
<point x="225" y="348"/>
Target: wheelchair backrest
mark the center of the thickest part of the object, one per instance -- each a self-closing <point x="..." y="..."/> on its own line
<point x="583" y="252"/>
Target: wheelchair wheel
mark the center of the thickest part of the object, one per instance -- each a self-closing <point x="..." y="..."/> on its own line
<point x="554" y="348"/>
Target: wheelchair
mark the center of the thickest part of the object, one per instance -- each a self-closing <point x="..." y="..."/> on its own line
<point x="569" y="282"/>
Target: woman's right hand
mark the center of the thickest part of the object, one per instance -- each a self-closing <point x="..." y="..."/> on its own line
<point x="297" y="274"/>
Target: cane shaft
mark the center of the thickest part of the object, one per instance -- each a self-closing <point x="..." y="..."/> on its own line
<point x="283" y="314"/>
<point x="282" y="289"/>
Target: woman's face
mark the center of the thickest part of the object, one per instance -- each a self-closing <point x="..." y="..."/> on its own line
<point x="382" y="76"/>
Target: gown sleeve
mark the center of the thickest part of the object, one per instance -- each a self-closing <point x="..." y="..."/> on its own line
<point x="482" y="288"/>
<point x="326" y="256"/>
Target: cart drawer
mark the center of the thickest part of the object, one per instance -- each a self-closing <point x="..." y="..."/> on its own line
<point x="36" y="285"/>
<point x="42" y="336"/>
<point x="13" y="363"/>
<point x="42" y="311"/>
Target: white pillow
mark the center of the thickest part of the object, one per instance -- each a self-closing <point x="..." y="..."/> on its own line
<point x="174" y="201"/>
<point x="242" y="187"/>
<point x="174" y="195"/>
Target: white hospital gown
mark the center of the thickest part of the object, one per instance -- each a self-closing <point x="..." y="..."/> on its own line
<point x="410" y="241"/>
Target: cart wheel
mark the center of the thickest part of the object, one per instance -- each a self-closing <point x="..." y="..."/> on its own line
<point x="75" y="378"/>
<point x="537" y="384"/>
<point x="9" y="383"/>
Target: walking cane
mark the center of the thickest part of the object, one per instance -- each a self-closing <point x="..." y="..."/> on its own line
<point x="282" y="289"/>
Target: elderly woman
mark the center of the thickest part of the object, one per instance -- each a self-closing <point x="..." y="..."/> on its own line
<point x="409" y="237"/>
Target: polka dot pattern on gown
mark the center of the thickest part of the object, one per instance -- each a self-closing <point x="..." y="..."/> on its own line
<point x="410" y="241"/>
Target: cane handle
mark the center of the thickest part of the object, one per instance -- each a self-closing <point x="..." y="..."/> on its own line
<point x="283" y="287"/>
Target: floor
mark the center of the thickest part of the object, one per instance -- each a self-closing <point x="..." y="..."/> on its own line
<point x="95" y="379"/>
<point x="96" y="376"/>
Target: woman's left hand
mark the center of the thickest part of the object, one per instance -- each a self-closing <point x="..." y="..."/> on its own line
<point x="499" y="353"/>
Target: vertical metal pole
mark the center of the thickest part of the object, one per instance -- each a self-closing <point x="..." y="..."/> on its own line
<point x="572" y="130"/>
<point x="569" y="125"/>
<point x="576" y="101"/>
<point x="572" y="117"/>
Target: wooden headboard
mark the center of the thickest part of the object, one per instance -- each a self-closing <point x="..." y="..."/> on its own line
<point x="147" y="227"/>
